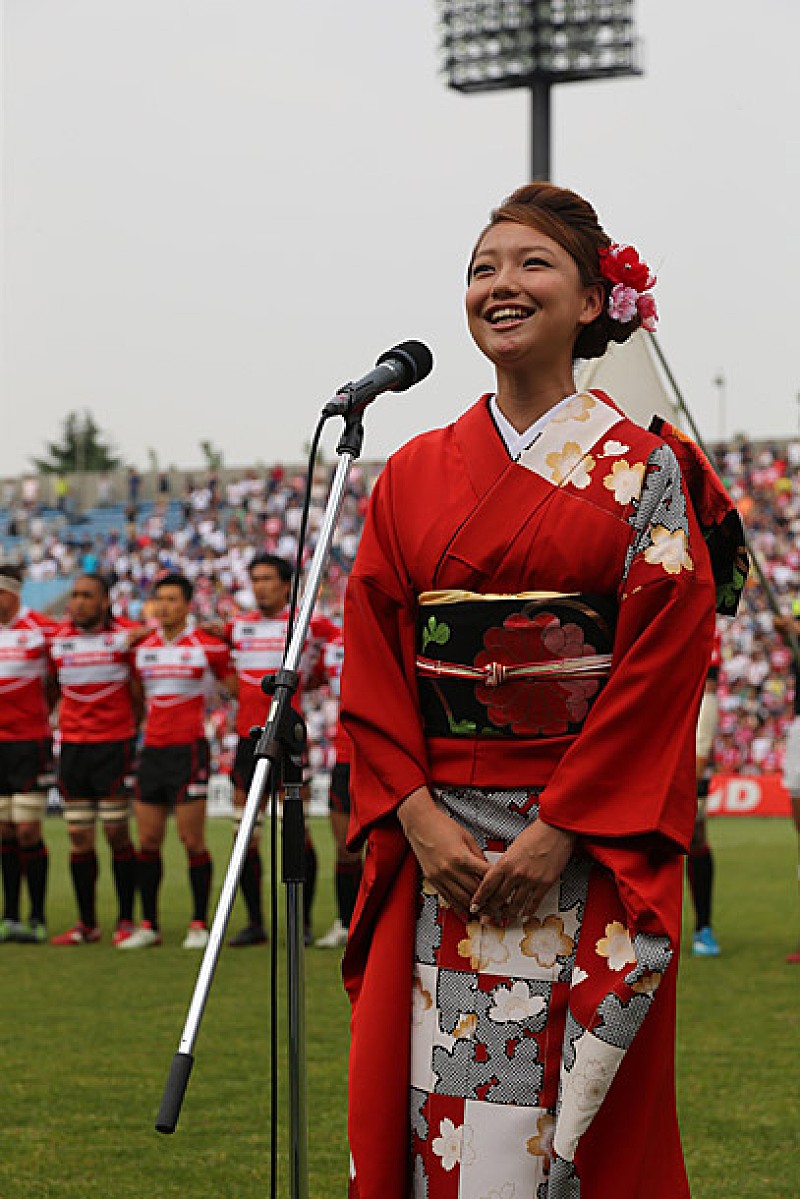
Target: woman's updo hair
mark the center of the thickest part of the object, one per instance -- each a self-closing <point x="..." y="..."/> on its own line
<point x="571" y="221"/>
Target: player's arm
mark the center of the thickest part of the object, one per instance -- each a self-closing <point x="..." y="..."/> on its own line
<point x="216" y="628"/>
<point x="52" y="692"/>
<point x="136" y="634"/>
<point x="137" y="698"/>
<point x="706" y="729"/>
<point x="219" y="658"/>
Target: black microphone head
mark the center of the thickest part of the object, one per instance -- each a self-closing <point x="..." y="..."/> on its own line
<point x="415" y="359"/>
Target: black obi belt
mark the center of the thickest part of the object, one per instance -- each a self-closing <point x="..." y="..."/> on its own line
<point x="511" y="666"/>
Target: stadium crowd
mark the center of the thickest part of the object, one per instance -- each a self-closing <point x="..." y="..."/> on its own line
<point x="756" y="690"/>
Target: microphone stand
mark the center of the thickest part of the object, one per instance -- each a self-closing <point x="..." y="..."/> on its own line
<point x="280" y="745"/>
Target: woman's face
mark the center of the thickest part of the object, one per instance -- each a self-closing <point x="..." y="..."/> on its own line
<point x="525" y="300"/>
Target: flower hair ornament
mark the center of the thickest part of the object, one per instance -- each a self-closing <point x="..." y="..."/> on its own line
<point x="632" y="280"/>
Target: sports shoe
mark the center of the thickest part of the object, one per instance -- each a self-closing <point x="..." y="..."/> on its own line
<point x="9" y="930"/>
<point x="252" y="934"/>
<point x="124" y="930"/>
<point x="143" y="937"/>
<point x="335" y="937"/>
<point x="197" y="936"/>
<point x="32" y="933"/>
<point x="705" y="944"/>
<point x="793" y="959"/>
<point x="81" y="934"/>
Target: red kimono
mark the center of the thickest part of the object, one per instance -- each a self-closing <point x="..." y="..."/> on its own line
<point x="596" y="507"/>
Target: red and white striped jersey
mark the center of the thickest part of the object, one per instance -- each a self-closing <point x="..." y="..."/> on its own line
<point x="177" y="677"/>
<point x="94" y="676"/>
<point x="258" y="645"/>
<point x="24" y="667"/>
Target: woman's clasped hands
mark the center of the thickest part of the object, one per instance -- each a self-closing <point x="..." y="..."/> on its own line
<point x="506" y="890"/>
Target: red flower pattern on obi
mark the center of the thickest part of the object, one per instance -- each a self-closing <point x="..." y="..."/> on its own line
<point x="535" y="706"/>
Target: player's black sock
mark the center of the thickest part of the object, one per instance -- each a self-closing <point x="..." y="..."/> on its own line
<point x="34" y="864"/>
<point x="200" y="881"/>
<point x="701" y="881"/>
<point x="347" y="878"/>
<point x="83" y="868"/>
<point x="11" y="872"/>
<point x="251" y="887"/>
<point x="310" y="887"/>
<point x="148" y="881"/>
<point x="123" y="864"/>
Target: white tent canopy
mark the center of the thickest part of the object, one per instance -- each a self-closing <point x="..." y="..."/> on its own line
<point x="631" y="374"/>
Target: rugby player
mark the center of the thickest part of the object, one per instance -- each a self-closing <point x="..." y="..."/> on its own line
<point x="257" y="639"/>
<point x="787" y="625"/>
<point x="177" y="664"/>
<point x="347" y="867"/>
<point x="26" y="698"/>
<point x="100" y="709"/>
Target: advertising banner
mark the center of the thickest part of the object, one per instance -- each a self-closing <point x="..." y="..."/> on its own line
<point x="748" y="795"/>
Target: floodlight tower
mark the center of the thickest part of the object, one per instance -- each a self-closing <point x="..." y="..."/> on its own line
<point x="488" y="45"/>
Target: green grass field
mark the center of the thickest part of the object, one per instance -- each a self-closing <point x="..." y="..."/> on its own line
<point x="87" y="1038"/>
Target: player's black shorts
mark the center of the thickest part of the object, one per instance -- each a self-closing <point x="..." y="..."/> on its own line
<point x="244" y="763"/>
<point x="173" y="774"/>
<point x="94" y="769"/>
<point x="24" y="766"/>
<point x="339" y="791"/>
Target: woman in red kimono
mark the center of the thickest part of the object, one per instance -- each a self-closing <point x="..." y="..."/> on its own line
<point x="527" y="632"/>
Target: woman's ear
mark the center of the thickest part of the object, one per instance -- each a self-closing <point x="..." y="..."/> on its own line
<point x="594" y="298"/>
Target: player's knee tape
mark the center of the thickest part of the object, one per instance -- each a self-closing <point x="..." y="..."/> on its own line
<point x="28" y="807"/>
<point x="114" y="811"/>
<point x="79" y="813"/>
<point x="6" y="809"/>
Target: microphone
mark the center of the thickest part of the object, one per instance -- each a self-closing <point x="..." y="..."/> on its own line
<point x="396" y="370"/>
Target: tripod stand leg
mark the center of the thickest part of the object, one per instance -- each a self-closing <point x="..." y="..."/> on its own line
<point x="295" y="936"/>
<point x="293" y="876"/>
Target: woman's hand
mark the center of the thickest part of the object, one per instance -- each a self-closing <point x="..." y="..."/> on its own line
<point x="449" y="857"/>
<point x="514" y="886"/>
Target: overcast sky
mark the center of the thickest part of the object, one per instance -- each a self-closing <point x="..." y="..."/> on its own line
<point x="214" y="212"/>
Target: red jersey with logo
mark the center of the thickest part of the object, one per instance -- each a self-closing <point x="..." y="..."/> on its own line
<point x="258" y="643"/>
<point x="177" y="677"/>
<point x="24" y="667"/>
<point x="94" y="676"/>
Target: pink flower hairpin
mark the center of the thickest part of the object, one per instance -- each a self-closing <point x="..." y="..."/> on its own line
<point x="632" y="280"/>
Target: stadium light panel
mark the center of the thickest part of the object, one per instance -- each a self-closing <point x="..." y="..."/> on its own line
<point x="488" y="45"/>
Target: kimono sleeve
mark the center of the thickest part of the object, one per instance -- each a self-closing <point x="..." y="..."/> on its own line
<point x="380" y="706"/>
<point x="631" y="769"/>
